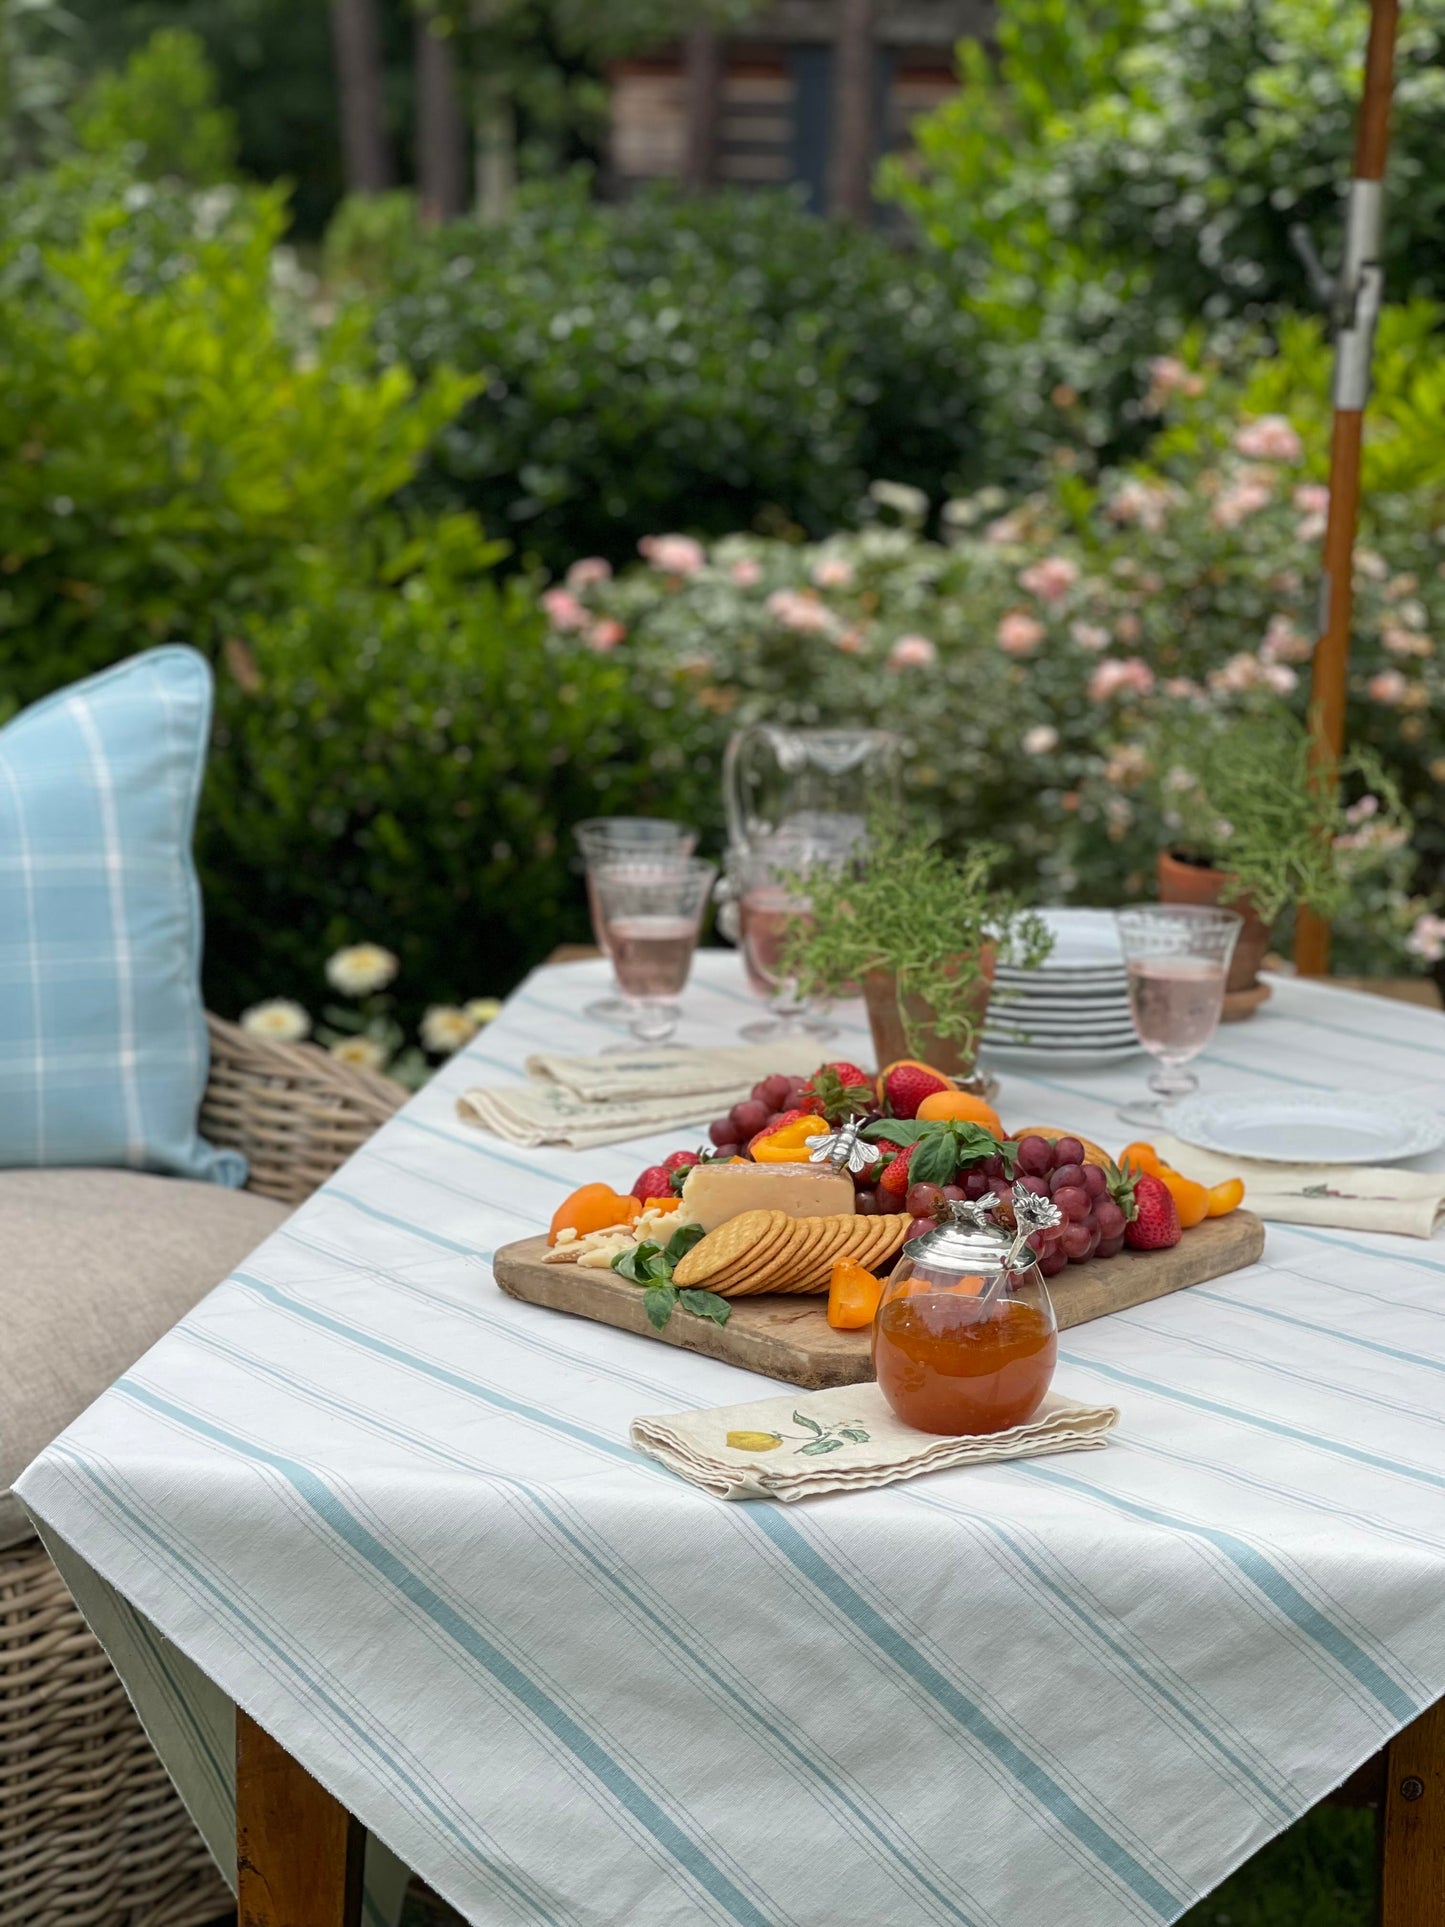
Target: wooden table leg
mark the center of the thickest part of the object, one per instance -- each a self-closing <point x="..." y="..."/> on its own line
<point x="1412" y="1873"/>
<point x="298" y="1851"/>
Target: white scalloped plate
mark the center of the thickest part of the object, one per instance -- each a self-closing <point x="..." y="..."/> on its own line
<point x="1314" y="1127"/>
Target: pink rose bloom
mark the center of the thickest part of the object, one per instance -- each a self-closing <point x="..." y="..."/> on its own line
<point x="1041" y="739"/>
<point x="1387" y="686"/>
<point x="1114" y="676"/>
<point x="1368" y="562"/>
<point x="1090" y="635"/>
<point x="1129" y="627"/>
<point x="1270" y="439"/>
<point x="1008" y="528"/>
<point x="1363" y="810"/>
<point x="1242" y="671"/>
<point x="1240" y="499"/>
<point x="1311" y="498"/>
<point x="587" y="570"/>
<point x="832" y="572"/>
<point x="1180" y="687"/>
<point x="1427" y="939"/>
<point x="563" y="610"/>
<point x="746" y="572"/>
<point x="1167" y="373"/>
<point x="1051" y="578"/>
<point x="1310" y="528"/>
<point x="1019" y="634"/>
<point x="912" y="652"/>
<point x="796" y="610"/>
<point x="605" y="635"/>
<point x="672" y="554"/>
<point x="1283" y="642"/>
<point x="1280" y="677"/>
<point x="1144" y="504"/>
<point x="850" y="642"/>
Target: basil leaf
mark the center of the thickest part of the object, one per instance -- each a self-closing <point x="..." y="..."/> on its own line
<point x="935" y="1161"/>
<point x="819" y="1446"/>
<point x="657" y="1302"/>
<point x="809" y="1424"/>
<point x="682" y="1241"/>
<point x="897" y="1130"/>
<point x="706" y="1304"/>
<point x="633" y="1263"/>
<point x="656" y="1270"/>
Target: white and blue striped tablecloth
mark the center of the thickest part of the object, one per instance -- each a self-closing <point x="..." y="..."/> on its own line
<point x="394" y="1514"/>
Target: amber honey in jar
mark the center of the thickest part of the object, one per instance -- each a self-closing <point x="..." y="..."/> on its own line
<point x="965" y="1339"/>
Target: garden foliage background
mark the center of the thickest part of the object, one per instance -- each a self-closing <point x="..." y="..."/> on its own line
<point x="1040" y="484"/>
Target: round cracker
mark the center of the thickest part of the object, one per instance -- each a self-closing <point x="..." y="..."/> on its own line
<point x="841" y="1234"/>
<point x="758" y="1263"/>
<point x="803" y="1256"/>
<point x="723" y="1247"/>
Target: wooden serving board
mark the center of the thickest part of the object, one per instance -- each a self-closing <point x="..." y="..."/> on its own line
<point x="791" y="1339"/>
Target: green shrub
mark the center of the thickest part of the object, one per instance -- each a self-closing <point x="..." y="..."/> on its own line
<point x="160" y="112"/>
<point x="166" y="452"/>
<point x="402" y="760"/>
<point x="1124" y="171"/>
<point x="696" y="364"/>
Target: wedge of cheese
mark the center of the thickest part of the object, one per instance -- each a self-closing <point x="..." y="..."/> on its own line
<point x="713" y="1193"/>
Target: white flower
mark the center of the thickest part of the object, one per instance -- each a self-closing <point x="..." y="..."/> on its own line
<point x="909" y="504"/>
<point x="1427" y="939"/>
<point x="833" y="572"/>
<point x="360" y="1052"/>
<point x="445" y="1029"/>
<point x="361" y="968"/>
<point x="278" y="1017"/>
<point x="1039" y="740"/>
<point x="483" y="1010"/>
<point x="1090" y="635"/>
<point x="673" y="554"/>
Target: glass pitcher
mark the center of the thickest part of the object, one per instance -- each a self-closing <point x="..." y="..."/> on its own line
<point x="965" y="1339"/>
<point x="816" y="783"/>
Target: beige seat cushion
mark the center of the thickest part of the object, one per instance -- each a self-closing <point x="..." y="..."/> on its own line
<point x="95" y="1266"/>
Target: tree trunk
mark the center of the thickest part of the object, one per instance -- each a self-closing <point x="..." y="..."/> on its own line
<point x="441" y="133"/>
<point x="703" y="73"/>
<point x="356" y="42"/>
<point x="851" y="163"/>
<point x="496" y="150"/>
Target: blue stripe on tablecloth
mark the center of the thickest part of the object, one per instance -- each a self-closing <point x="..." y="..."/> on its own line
<point x="1147" y="1673"/>
<point x="403" y="1224"/>
<point x="1278" y="1426"/>
<point x="607" y="1771"/>
<point x="1279" y="1590"/>
<point x="894" y="1645"/>
<point x="1045" y="1789"/>
<point x="1365" y="1251"/>
<point x="1367" y="1036"/>
<point x="145" y="1633"/>
<point x="881" y="1834"/>
<point x="1327" y="1331"/>
<point x="386" y="1761"/>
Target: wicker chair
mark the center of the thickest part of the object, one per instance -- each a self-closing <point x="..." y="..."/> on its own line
<point x="92" y="1833"/>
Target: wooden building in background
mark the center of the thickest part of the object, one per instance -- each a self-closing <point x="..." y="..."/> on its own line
<point x="808" y="91"/>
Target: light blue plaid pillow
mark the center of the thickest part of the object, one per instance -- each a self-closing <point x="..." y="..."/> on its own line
<point x="103" y="1052"/>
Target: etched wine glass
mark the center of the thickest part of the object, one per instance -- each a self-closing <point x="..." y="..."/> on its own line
<point x="770" y="903"/>
<point x="653" y="914"/>
<point x="1177" y="958"/>
<point x="625" y="839"/>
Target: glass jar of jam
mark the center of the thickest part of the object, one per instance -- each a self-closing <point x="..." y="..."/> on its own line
<point x="965" y="1338"/>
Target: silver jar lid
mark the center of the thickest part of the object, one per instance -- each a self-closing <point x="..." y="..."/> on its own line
<point x="968" y="1239"/>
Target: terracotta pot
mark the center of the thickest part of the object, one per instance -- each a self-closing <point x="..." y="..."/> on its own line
<point x="1183" y="882"/>
<point x="886" y="1021"/>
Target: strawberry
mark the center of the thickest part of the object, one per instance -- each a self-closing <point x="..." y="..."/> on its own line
<point x="906" y="1085"/>
<point x="655" y="1182"/>
<point x="837" y="1091"/>
<point x="681" y="1160"/>
<point x="1155" y="1223"/>
<point x="895" y="1177"/>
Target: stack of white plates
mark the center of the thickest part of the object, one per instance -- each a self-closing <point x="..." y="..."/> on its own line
<point x="1075" y="1005"/>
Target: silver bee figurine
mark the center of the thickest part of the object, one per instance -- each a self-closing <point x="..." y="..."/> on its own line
<point x="844" y="1149"/>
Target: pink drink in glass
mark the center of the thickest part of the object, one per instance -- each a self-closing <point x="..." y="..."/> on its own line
<point x="651" y="955"/>
<point x="1176" y="1003"/>
<point x="765" y="914"/>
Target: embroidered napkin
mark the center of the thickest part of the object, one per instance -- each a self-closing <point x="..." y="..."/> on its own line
<point x="1343" y="1197"/>
<point x="578" y="1102"/>
<point x="843" y="1440"/>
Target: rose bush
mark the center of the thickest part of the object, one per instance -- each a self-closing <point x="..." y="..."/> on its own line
<point x="1038" y="659"/>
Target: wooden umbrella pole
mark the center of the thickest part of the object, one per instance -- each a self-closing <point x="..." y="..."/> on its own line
<point x="1361" y="289"/>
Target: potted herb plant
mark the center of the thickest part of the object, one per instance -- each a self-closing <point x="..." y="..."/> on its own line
<point x="1253" y="829"/>
<point x="920" y="933"/>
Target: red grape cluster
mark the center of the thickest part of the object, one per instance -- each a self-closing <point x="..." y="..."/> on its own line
<point x="1093" y="1223"/>
<point x="771" y="1099"/>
